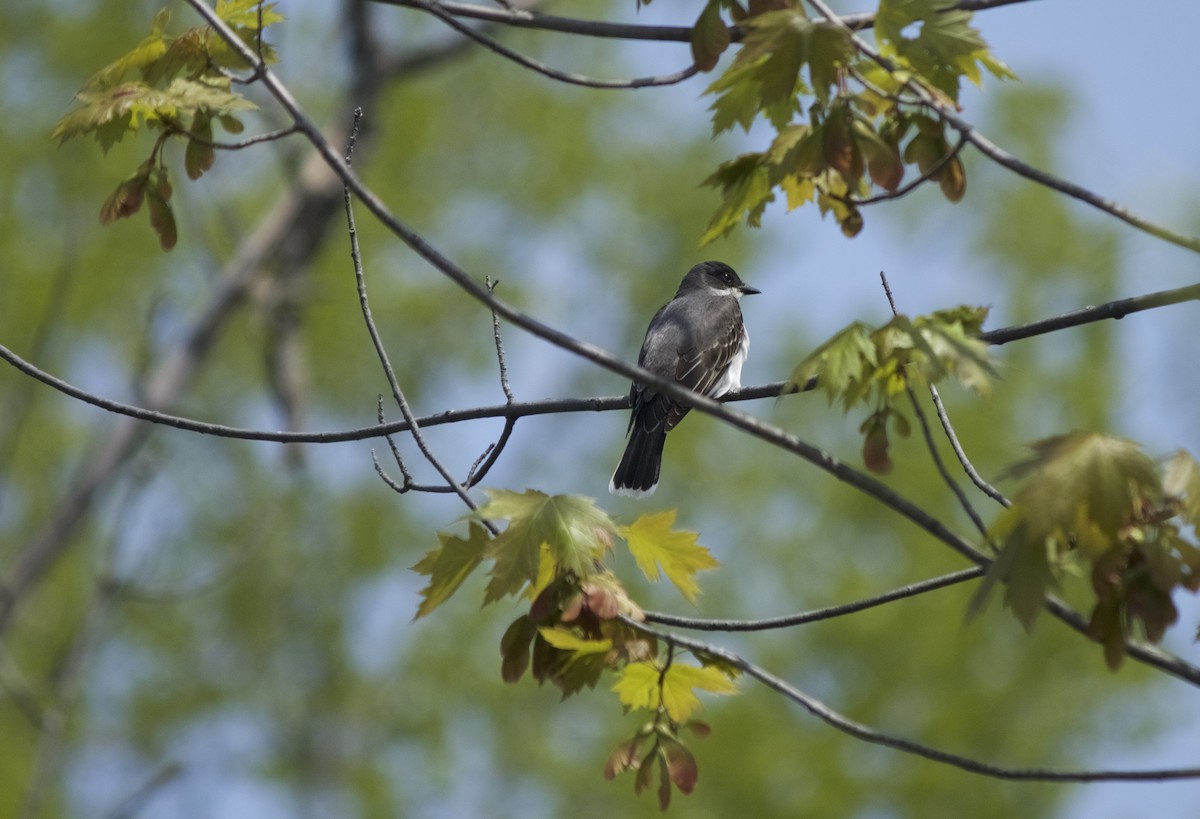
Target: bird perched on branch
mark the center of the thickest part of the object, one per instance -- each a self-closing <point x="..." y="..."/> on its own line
<point x="698" y="340"/>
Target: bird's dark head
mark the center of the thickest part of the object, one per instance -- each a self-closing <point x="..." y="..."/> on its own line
<point x="715" y="277"/>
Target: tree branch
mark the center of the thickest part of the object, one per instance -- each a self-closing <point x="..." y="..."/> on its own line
<point x="360" y="282"/>
<point x="434" y="8"/>
<point x="1003" y="158"/>
<point x="1112" y="310"/>
<point x="859" y="731"/>
<point x="828" y="613"/>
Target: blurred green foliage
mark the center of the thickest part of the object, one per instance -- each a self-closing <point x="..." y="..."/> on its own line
<point x="249" y="621"/>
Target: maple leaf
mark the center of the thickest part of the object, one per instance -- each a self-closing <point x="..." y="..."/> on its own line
<point x="842" y="364"/>
<point x="449" y="565"/>
<point x="644" y="685"/>
<point x="654" y="544"/>
<point x="1181" y="479"/>
<point x="1079" y="491"/>
<point x="574" y="529"/>
<point x="945" y="48"/>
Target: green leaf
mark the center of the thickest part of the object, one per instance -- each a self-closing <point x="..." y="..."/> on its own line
<point x="1084" y="475"/>
<point x="576" y="531"/>
<point x="710" y="37"/>
<point x="637" y="686"/>
<point x="738" y="104"/>
<point x="841" y="364"/>
<point x="949" y="337"/>
<point x="945" y="49"/>
<point x="567" y="640"/>
<point x="1080" y="492"/>
<point x="746" y="187"/>
<point x="1181" y="479"/>
<point x="449" y="565"/>
<point x="644" y="685"/>
<point x="199" y="155"/>
<point x="680" y="683"/>
<point x="245" y="13"/>
<point x="654" y="544"/>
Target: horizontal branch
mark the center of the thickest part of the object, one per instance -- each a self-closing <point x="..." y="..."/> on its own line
<point x="859" y="731"/>
<point x="1112" y="310"/>
<point x="523" y="18"/>
<point x="437" y="10"/>
<point x="789" y="620"/>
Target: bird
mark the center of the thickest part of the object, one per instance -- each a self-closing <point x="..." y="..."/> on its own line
<point x="698" y="340"/>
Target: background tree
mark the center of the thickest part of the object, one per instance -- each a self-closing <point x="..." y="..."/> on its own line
<point x="203" y="625"/>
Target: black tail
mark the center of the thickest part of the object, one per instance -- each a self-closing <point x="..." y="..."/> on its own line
<point x="637" y="474"/>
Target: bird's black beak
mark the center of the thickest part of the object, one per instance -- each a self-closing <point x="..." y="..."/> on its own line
<point x="747" y="290"/>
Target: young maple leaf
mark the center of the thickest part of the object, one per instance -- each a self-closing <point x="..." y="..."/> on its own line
<point x="1181" y="479"/>
<point x="644" y="685"/>
<point x="653" y="544"/>
<point x="576" y="531"/>
<point x="448" y="566"/>
<point x="1080" y="489"/>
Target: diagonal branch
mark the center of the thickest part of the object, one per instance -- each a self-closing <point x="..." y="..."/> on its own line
<point x="859" y="731"/>
<point x="1112" y="310"/>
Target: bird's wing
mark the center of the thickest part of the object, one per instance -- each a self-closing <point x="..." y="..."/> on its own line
<point x="702" y="365"/>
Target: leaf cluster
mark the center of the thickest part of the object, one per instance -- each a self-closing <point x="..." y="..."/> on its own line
<point x="578" y="625"/>
<point x="876" y="366"/>
<point x="176" y="85"/>
<point x="843" y="122"/>
<point x="1097" y="505"/>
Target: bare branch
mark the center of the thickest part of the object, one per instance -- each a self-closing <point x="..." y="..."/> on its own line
<point x="859" y="731"/>
<point x="789" y="620"/>
<point x="436" y="10"/>
<point x="525" y="18"/>
<point x="500" y="362"/>
<point x="983" y="486"/>
<point x="257" y="139"/>
<point x="377" y="342"/>
<point x="1112" y="310"/>
<point x="132" y="804"/>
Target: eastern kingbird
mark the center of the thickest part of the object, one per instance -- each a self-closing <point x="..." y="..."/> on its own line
<point x="697" y="339"/>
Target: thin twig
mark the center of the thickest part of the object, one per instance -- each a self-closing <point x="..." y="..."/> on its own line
<point x="859" y="731"/>
<point x="377" y="342"/>
<point x="129" y="807"/>
<point x="828" y="613"/>
<point x="930" y="443"/>
<point x="904" y="190"/>
<point x="977" y="479"/>
<point x="501" y="363"/>
<point x="257" y="139"/>
<point x="435" y="9"/>
<point x="547" y="406"/>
